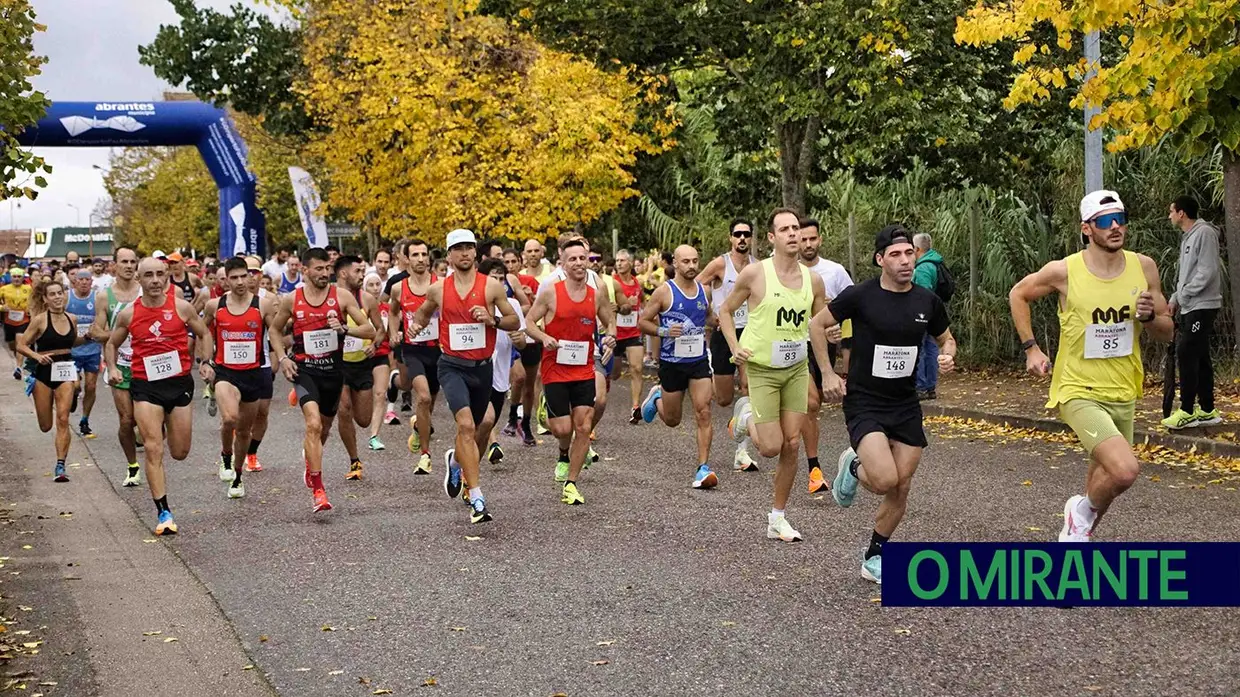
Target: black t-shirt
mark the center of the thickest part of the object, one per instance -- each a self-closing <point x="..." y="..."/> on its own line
<point x="892" y="325"/>
<point x="391" y="282"/>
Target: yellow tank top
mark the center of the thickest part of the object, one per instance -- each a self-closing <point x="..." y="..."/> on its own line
<point x="1099" y="355"/>
<point x="778" y="329"/>
<point x="355" y="348"/>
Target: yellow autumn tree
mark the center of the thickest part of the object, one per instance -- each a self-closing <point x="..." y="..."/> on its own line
<point x="164" y="198"/>
<point x="437" y="117"/>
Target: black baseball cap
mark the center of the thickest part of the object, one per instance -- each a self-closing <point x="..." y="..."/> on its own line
<point x="888" y="236"/>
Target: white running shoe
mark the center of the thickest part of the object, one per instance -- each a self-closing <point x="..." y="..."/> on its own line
<point x="736" y="426"/>
<point x="226" y="474"/>
<point x="779" y="529"/>
<point x="134" y="479"/>
<point x="1074" y="529"/>
<point x="237" y="492"/>
<point x="743" y="462"/>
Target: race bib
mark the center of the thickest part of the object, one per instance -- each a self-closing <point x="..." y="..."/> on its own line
<point x="689" y="346"/>
<point x="64" y="371"/>
<point x="741" y="317"/>
<point x="124" y="352"/>
<point x="894" y="361"/>
<point x="83" y="329"/>
<point x="573" y="353"/>
<point x="429" y="333"/>
<point x="464" y="337"/>
<point x="1108" y="340"/>
<point x="629" y="320"/>
<point x="16" y="315"/>
<point x="240" y="353"/>
<point x="321" y="342"/>
<point x="787" y="353"/>
<point x="352" y="344"/>
<point x="162" y="365"/>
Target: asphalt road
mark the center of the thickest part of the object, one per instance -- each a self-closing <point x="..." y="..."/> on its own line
<point x="651" y="587"/>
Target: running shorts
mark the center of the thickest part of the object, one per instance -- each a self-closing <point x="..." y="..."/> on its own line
<point x="323" y="390"/>
<point x="772" y="390"/>
<point x="1094" y="422"/>
<point x="466" y="385"/>
<point x="623" y="345"/>
<point x="126" y="377"/>
<point x="267" y="386"/>
<point x="11" y="332"/>
<point x="497" y="402"/>
<point x="248" y="382"/>
<point x="563" y="397"/>
<point x="422" y="361"/>
<point x="720" y="355"/>
<point x="531" y="355"/>
<point x="171" y="393"/>
<point x="901" y="424"/>
<point x="43" y="373"/>
<point x="815" y="373"/>
<point x="675" y="377"/>
<point x="359" y="376"/>
<point x="88" y="363"/>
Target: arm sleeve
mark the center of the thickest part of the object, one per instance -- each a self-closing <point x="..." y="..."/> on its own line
<point x="844" y="306"/>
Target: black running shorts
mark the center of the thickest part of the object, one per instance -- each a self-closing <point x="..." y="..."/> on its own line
<point x="323" y="390"/>
<point x="466" y="384"/>
<point x="675" y="377"/>
<point x="563" y="397"/>
<point x="169" y="393"/>
<point x="249" y="383"/>
<point x="421" y="360"/>
<point x="720" y="355"/>
<point x="901" y="424"/>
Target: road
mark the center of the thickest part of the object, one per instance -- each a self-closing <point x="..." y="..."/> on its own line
<point x="651" y="587"/>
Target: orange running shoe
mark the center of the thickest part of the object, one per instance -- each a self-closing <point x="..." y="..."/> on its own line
<point x="816" y="482"/>
<point x="320" y="501"/>
<point x="251" y="464"/>
<point x="355" y="470"/>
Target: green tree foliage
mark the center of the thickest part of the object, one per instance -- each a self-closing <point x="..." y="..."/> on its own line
<point x="21" y="171"/>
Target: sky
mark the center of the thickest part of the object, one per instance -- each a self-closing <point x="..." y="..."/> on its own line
<point x="92" y="52"/>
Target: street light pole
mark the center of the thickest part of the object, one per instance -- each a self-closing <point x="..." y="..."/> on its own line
<point x="1093" y="137"/>
<point x="78" y="211"/>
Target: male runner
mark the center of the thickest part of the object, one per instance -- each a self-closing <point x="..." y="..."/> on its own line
<point x="15" y="307"/>
<point x="315" y="367"/>
<point x="395" y="277"/>
<point x="101" y="279"/>
<point x="505" y="366"/>
<point x="835" y="279"/>
<point x="239" y="323"/>
<point x="529" y="353"/>
<point x="720" y="277"/>
<point x="782" y="295"/>
<point x="678" y="311"/>
<point x="419" y="351"/>
<point x="628" y="334"/>
<point x="1106" y="296"/>
<point x="261" y="414"/>
<point x="109" y="302"/>
<point x="571" y="308"/>
<point x="157" y="325"/>
<point x="469" y="301"/>
<point x="86" y="356"/>
<point x="290" y="279"/>
<point x="357" y="400"/>
<point x="891" y="317"/>
<point x="187" y="283"/>
<point x="536" y="267"/>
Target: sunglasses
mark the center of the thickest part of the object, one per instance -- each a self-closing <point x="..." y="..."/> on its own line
<point x="596" y="258"/>
<point x="1106" y="221"/>
<point x="742" y="233"/>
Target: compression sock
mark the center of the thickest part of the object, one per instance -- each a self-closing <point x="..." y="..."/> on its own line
<point x="161" y="504"/>
<point x="512" y="414"/>
<point x="876" y="545"/>
<point x="253" y="449"/>
<point x="226" y="458"/>
<point x="813" y="462"/>
<point x="852" y="466"/>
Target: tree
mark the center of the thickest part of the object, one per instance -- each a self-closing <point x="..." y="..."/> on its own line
<point x="1174" y="74"/>
<point x="20" y="106"/>
<point x="163" y="198"/>
<point x="437" y="117"/>
<point x="271" y="154"/>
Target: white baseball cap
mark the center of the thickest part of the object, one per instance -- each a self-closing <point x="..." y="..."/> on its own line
<point x="1097" y="201"/>
<point x="460" y="236"/>
<point x="158" y="254"/>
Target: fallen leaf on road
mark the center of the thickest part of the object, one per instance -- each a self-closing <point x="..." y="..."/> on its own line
<point x="301" y="670"/>
<point x="372" y="618"/>
<point x="430" y="682"/>
<point x="335" y="672"/>
<point x="328" y="628"/>
<point x="49" y="683"/>
<point x="903" y="631"/>
<point x="149" y="540"/>
<point x="151" y="633"/>
<point x="363" y="681"/>
<point x="606" y="643"/>
<point x="170" y="639"/>
<point x="729" y="623"/>
<point x="21" y="632"/>
<point x="25" y="608"/>
<point x="27" y="547"/>
<point x="458" y="629"/>
<point x="472" y="538"/>
<point x="262" y="637"/>
<point x="248" y="667"/>
<point x="560" y="694"/>
<point x="66" y="515"/>
<point x="1032" y="528"/>
<point x="877" y="600"/>
<point x="1026" y="483"/>
<point x="32" y="644"/>
<point x="600" y="662"/>
<point x="381" y="691"/>
<point x="3" y="629"/>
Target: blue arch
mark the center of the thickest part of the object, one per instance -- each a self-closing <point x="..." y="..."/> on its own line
<point x="105" y="124"/>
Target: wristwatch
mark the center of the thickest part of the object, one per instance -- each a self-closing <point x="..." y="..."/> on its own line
<point x="1028" y="344"/>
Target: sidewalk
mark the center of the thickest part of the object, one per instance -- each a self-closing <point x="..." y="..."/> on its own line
<point x="114" y="610"/>
<point x="1017" y="399"/>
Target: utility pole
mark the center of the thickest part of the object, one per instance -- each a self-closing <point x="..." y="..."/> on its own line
<point x="1093" y="137"/>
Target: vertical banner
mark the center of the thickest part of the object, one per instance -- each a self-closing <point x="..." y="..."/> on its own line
<point x="308" y="201"/>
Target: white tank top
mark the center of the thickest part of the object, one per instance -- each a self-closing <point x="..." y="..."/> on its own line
<point x="730" y="274"/>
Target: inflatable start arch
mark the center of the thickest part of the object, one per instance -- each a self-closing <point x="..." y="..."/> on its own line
<point x="106" y="124"/>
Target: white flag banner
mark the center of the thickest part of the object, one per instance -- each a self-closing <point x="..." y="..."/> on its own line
<point x="307" y="195"/>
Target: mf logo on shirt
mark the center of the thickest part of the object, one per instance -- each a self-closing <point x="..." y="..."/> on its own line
<point x="1111" y="315"/>
<point x="792" y="317"/>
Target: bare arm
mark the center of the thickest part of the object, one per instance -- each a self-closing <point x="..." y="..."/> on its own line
<point x="433" y="296"/>
<point x="544" y="305"/>
<point x="277" y="321"/>
<point x="648" y="322"/>
<point x="26" y="339"/>
<point x="99" y="329"/>
<point x="739" y="296"/>
<point x="1049" y="279"/>
<point x="363" y="329"/>
<point x="120" y="332"/>
<point x="206" y="340"/>
<point x="508" y="320"/>
<point x="713" y="272"/>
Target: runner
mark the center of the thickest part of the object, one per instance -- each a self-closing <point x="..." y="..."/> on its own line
<point x="48" y="340"/>
<point x="469" y="302"/>
<point x="571" y="308"/>
<point x="535" y="266"/>
<point x="88" y="355"/>
<point x="187" y="283"/>
<point x="505" y="365"/>
<point x="357" y="400"/>
<point x="161" y="387"/>
<point x="784" y="296"/>
<point x="239" y="321"/>
<point x="259" y="429"/>
<point x="891" y="317"/>
<point x="529" y="354"/>
<point x="720" y="277"/>
<point x="315" y="366"/>
<point x="380" y="358"/>
<point x="396" y="276"/>
<point x="15" y="306"/>
<point x="419" y="351"/>
<point x="290" y="279"/>
<point x="1106" y="296"/>
<point x="109" y="302"/>
<point x="628" y="334"/>
<point x="678" y="311"/>
<point x="835" y="279"/>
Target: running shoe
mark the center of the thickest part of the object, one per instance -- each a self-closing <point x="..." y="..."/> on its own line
<point x="237" y="491"/>
<point x="495" y="454"/>
<point x="1180" y="419"/>
<point x="816" y="482"/>
<point x="59" y="473"/>
<point x="561" y="470"/>
<point x="134" y="478"/>
<point x="423" y="465"/>
<point x="212" y="407"/>
<point x="451" y="475"/>
<point x="528" y="440"/>
<point x="1074" y="529"/>
<point x="736" y="425"/>
<point x="166" y="525"/>
<point x="478" y="512"/>
<point x="415" y="440"/>
<point x="845" y="487"/>
<point x="320" y="501"/>
<point x="74" y="403"/>
<point x="636" y="418"/>
<point x="704" y="479"/>
<point x="17" y="373"/>
<point x="742" y="461"/>
<point x="84" y="428"/>
<point x="571" y="496"/>
<point x="591" y="456"/>
<point x="29" y="385"/>
<point x="872" y="569"/>
<point x="226" y="473"/>
<point x="778" y="528"/>
<point x="406" y="403"/>
<point x="355" y="471"/>
<point x="1207" y="418"/>
<point x="649" y="408"/>
<point x="252" y="464"/>
<point x="376" y="444"/>
<point x="390" y="418"/>
<point x="510" y="430"/>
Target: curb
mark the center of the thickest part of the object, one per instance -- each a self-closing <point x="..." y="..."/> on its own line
<point x="1169" y="440"/>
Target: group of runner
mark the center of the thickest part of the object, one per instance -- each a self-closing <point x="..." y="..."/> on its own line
<point x="501" y="322"/>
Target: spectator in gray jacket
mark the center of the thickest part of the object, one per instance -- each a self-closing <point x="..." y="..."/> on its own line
<point x="1197" y="298"/>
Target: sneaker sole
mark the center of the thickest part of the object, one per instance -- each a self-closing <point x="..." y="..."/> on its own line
<point x="1209" y="422"/>
<point x="485" y="518"/>
<point x="324" y="507"/>
<point x="776" y="536"/>
<point x="447" y="476"/>
<point x="231" y="495"/>
<point x="865" y="573"/>
<point x="1065" y="531"/>
<point x="844" y="501"/>
<point x="61" y="479"/>
<point x="131" y="484"/>
<point x="710" y="481"/>
<point x="166" y="531"/>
